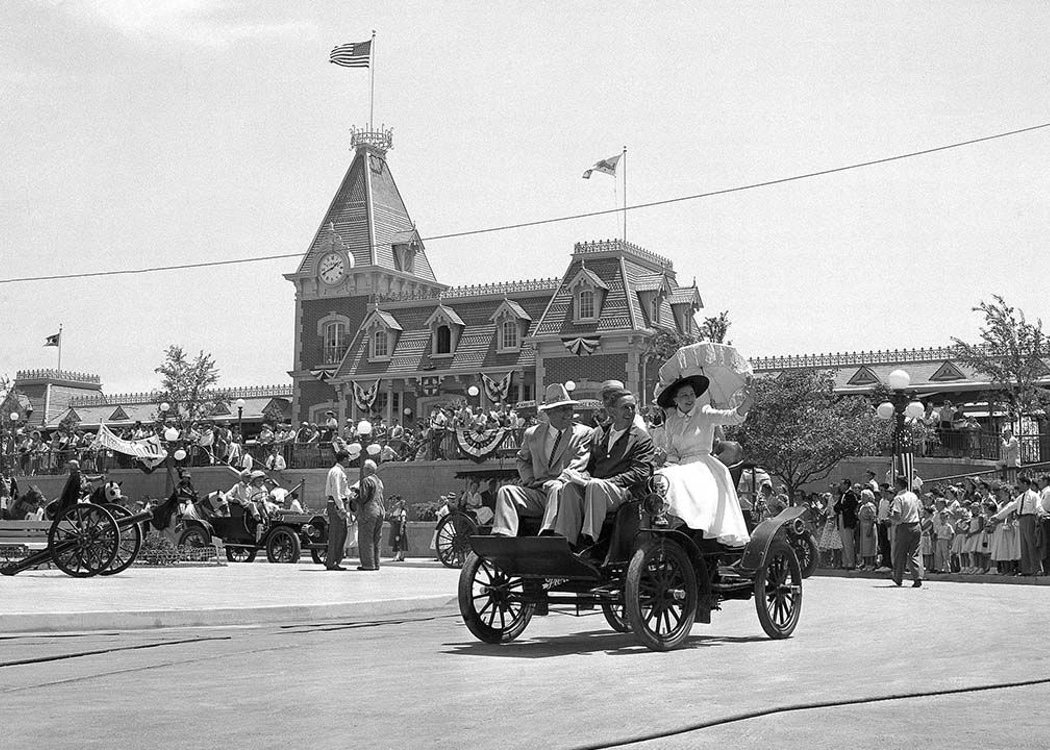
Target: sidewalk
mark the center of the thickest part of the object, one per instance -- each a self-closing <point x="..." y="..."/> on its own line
<point x="235" y="594"/>
<point x="952" y="577"/>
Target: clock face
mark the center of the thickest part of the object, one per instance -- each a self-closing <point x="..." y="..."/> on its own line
<point x="332" y="268"/>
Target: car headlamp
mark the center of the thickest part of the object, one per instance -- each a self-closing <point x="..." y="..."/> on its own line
<point x="798" y="526"/>
<point x="655" y="504"/>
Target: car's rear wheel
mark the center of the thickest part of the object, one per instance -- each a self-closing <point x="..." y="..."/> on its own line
<point x="319" y="555"/>
<point x="241" y="554"/>
<point x="778" y="591"/>
<point x="283" y="546"/>
<point x="453" y="539"/>
<point x="805" y="547"/>
<point x="616" y="616"/>
<point x="661" y="594"/>
<point x="195" y="536"/>
<point x="490" y="601"/>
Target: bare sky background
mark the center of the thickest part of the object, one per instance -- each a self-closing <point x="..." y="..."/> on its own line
<point x="152" y="133"/>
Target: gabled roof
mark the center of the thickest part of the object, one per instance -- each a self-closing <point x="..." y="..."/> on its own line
<point x="448" y="313"/>
<point x="509" y="305"/>
<point x="652" y="282"/>
<point x="863" y="376"/>
<point x="947" y="371"/>
<point x="386" y="318"/>
<point x="615" y="312"/>
<point x="686" y="295"/>
<point x="369" y="216"/>
<point x="587" y="276"/>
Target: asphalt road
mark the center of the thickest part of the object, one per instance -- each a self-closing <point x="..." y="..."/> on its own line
<point x="947" y="666"/>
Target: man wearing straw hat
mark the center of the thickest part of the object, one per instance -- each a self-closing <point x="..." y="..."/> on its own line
<point x="547" y="451"/>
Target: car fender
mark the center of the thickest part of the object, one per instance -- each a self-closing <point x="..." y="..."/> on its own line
<point x="762" y="537"/>
<point x="188" y="523"/>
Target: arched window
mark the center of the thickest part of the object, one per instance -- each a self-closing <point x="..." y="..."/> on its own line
<point x="379" y="344"/>
<point x="334" y="342"/>
<point x="585" y="308"/>
<point x="444" y="340"/>
<point x="509" y="334"/>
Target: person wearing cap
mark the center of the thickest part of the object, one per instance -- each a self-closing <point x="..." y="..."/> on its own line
<point x="621" y="458"/>
<point x="701" y="492"/>
<point x="546" y="451"/>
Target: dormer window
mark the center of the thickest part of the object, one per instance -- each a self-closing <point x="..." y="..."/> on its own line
<point x="446" y="327"/>
<point x="588" y="292"/>
<point x="654" y="309"/>
<point x="380" y="344"/>
<point x="512" y="324"/>
<point x="508" y="335"/>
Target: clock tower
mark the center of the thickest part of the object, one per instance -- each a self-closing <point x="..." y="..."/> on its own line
<point x="365" y="248"/>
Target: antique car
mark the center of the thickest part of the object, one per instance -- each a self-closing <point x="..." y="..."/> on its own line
<point x="453" y="532"/>
<point x="648" y="576"/>
<point x="284" y="535"/>
<point x="800" y="537"/>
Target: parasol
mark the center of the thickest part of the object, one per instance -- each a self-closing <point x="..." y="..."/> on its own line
<point x="727" y="369"/>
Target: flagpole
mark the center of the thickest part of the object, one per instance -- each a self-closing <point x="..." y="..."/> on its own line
<point x="372" y="74"/>
<point x="60" y="346"/>
<point x="625" y="193"/>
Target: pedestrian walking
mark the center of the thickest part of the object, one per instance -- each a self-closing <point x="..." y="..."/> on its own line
<point x="905" y="513"/>
<point x="337" y="489"/>
<point x="370" y="513"/>
<point x="398" y="518"/>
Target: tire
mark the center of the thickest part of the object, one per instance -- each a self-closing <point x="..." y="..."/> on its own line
<point x="283" y="546"/>
<point x="485" y="593"/>
<point x="195" y="536"/>
<point x="83" y="540"/>
<point x="778" y="591"/>
<point x="806" y="551"/>
<point x="241" y="554"/>
<point x="319" y="555"/>
<point x="616" y="616"/>
<point x="660" y="594"/>
<point x="130" y="541"/>
<point x="452" y="542"/>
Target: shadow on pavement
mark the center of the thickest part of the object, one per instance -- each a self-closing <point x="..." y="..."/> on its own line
<point x="604" y="641"/>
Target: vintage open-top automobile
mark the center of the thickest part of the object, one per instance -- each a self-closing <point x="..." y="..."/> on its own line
<point x="284" y="535"/>
<point x="649" y="576"/>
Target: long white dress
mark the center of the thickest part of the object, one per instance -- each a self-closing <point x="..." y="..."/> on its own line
<point x="701" y="491"/>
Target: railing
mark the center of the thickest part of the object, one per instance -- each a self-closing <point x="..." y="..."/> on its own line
<point x="979" y="444"/>
<point x="1008" y="474"/>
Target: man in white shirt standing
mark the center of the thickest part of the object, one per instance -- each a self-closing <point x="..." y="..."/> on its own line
<point x="337" y="489"/>
<point x="905" y="514"/>
<point x="1044" y="514"/>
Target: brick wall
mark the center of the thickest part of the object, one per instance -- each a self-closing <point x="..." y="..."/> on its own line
<point x="597" y="367"/>
<point x="314" y="310"/>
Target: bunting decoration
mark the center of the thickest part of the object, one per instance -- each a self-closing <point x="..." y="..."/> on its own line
<point x="580" y="345"/>
<point x="324" y="374"/>
<point x="365" y="397"/>
<point x="480" y="443"/>
<point x="496" y="390"/>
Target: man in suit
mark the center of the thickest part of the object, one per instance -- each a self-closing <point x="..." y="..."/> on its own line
<point x="621" y="458"/>
<point x="547" y="452"/>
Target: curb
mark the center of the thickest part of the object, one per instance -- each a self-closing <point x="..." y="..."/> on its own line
<point x="55" y="622"/>
<point x="944" y="577"/>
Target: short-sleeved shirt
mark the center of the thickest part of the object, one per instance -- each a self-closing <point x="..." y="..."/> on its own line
<point x="336" y="486"/>
<point x="907" y="507"/>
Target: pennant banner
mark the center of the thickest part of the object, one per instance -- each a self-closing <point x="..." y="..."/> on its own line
<point x="480" y="444"/>
<point x="581" y="345"/>
<point x="324" y="374"/>
<point x="149" y="450"/>
<point x="496" y="390"/>
<point x="365" y="397"/>
<point x="605" y="166"/>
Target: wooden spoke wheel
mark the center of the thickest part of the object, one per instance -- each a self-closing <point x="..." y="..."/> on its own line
<point x="130" y="541"/>
<point x="490" y="601"/>
<point x="778" y="591"/>
<point x="616" y="616"/>
<point x="319" y="555"/>
<point x="195" y="536"/>
<point x="453" y="539"/>
<point x="805" y="547"/>
<point x="661" y="594"/>
<point x="283" y="546"/>
<point x="83" y="540"/>
<point x="241" y="554"/>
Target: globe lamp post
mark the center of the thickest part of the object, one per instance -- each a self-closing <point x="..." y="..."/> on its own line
<point x="899" y="406"/>
<point x="239" y="403"/>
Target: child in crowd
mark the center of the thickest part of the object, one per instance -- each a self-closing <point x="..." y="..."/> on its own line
<point x="398" y="518"/>
<point x="926" y="538"/>
<point x="972" y="543"/>
<point x="943" y="532"/>
<point x="959" y="559"/>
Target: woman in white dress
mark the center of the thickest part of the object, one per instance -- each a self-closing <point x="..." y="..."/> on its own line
<point x="701" y="491"/>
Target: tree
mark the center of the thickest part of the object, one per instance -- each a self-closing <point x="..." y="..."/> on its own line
<point x="715" y="329"/>
<point x="188" y="386"/>
<point x="798" y="429"/>
<point x="1010" y="355"/>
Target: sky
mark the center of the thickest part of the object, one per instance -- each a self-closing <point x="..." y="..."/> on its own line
<point x="140" y="134"/>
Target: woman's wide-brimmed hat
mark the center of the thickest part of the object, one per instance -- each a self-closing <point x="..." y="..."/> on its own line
<point x="698" y="382"/>
<point x="556" y="395"/>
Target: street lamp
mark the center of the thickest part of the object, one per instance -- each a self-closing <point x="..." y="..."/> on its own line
<point x="900" y="405"/>
<point x="9" y="455"/>
<point x="239" y="403"/>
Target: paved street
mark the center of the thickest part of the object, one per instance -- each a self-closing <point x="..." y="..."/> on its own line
<point x="569" y="682"/>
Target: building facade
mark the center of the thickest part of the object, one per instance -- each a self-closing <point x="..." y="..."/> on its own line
<point x="376" y="332"/>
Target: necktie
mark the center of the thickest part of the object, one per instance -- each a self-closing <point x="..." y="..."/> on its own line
<point x="554" y="448"/>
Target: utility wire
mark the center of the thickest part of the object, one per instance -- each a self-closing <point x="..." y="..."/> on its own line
<point x="558" y="219"/>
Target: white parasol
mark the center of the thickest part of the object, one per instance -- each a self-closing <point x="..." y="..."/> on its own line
<point x="727" y="369"/>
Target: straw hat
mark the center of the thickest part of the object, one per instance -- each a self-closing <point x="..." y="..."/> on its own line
<point x="556" y="395"/>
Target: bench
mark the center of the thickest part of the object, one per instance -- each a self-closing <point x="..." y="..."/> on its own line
<point x="19" y="538"/>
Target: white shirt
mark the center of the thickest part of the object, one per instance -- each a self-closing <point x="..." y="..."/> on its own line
<point x="276" y="462"/>
<point x="614" y="435"/>
<point x="553" y="434"/>
<point x="906" y="507"/>
<point x="1044" y="502"/>
<point x="336" y="486"/>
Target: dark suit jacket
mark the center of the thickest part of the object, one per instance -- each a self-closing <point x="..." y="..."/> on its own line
<point x="628" y="463"/>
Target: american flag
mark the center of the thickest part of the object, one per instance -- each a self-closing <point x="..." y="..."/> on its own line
<point x="355" y="55"/>
<point x="905" y="466"/>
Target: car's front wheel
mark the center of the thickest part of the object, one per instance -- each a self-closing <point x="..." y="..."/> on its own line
<point x="778" y="591"/>
<point x="283" y="546"/>
<point x="490" y="601"/>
